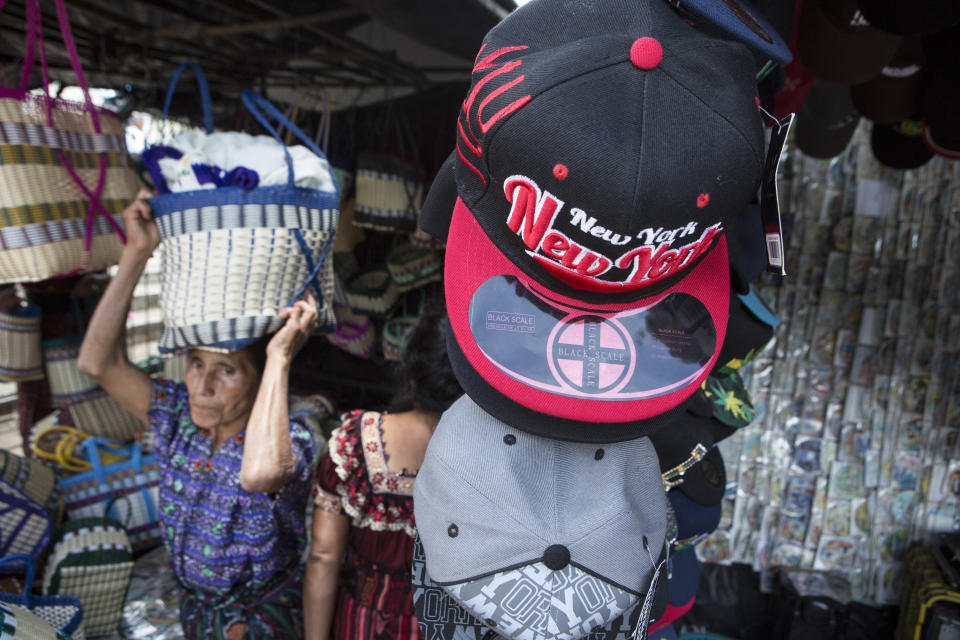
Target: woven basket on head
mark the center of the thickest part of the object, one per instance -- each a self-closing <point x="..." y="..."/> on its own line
<point x="232" y="259"/>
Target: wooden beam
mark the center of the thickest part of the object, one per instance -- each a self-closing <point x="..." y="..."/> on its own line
<point x="252" y="27"/>
<point x="359" y="50"/>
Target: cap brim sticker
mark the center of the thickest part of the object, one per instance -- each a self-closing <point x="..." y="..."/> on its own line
<point x="625" y="355"/>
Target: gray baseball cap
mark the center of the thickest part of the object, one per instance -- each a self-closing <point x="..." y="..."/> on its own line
<point x="540" y="538"/>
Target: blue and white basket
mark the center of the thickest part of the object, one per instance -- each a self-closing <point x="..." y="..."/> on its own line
<point x="232" y="259"/>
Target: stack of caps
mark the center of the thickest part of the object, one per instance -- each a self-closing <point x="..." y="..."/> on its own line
<point x="890" y="61"/>
<point x="605" y="151"/>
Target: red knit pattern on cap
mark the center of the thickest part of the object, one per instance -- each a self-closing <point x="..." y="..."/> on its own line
<point x="646" y="53"/>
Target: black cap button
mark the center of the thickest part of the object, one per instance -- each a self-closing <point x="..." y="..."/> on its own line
<point x="556" y="557"/>
<point x="598" y="455"/>
<point x="509" y="439"/>
<point x="453" y="531"/>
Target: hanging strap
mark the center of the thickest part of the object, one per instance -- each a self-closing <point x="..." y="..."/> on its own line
<point x="314" y="269"/>
<point x="322" y="138"/>
<point x="34" y="37"/>
<point x="204" y="93"/>
<point x="254" y="102"/>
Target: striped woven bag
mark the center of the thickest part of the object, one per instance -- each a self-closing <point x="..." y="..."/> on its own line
<point x="93" y="410"/>
<point x="65" y="175"/>
<point x="34" y="479"/>
<point x="63" y="613"/>
<point x="24" y="524"/>
<point x="128" y="486"/>
<point x="91" y="560"/>
<point x="233" y="258"/>
<point x="17" y="623"/>
<point x="21" y="357"/>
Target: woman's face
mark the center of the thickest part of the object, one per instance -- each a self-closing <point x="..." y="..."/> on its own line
<point x="222" y="387"/>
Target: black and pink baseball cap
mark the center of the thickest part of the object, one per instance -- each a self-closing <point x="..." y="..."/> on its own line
<point x="604" y="153"/>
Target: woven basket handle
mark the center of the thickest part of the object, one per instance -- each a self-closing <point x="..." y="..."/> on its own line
<point x="322" y="139"/>
<point x="35" y="34"/>
<point x="204" y="93"/>
<point x="60" y="454"/>
<point x="64" y="454"/>
<point x="94" y="448"/>
<point x="313" y="268"/>
<point x="27" y="562"/>
<point x="254" y="102"/>
<point x="113" y="501"/>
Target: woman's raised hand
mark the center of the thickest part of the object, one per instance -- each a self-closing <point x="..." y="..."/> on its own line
<point x="301" y="322"/>
<point x="143" y="235"/>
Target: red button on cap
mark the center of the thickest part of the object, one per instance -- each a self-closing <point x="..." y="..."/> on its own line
<point x="646" y="53"/>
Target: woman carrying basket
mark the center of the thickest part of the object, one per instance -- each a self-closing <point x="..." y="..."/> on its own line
<point x="235" y="469"/>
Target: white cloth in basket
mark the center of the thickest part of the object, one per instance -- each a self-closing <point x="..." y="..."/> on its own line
<point x="230" y="149"/>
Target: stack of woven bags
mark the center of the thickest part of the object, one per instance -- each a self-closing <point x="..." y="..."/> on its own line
<point x="70" y="523"/>
<point x="598" y="318"/>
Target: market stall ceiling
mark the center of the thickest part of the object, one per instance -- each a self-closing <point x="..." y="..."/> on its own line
<point x="362" y="51"/>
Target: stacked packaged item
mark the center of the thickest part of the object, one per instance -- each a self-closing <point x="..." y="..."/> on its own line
<point x="853" y="456"/>
<point x="596" y="323"/>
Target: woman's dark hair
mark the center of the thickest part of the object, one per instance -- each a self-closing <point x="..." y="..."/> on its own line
<point x="425" y="378"/>
<point x="257" y="353"/>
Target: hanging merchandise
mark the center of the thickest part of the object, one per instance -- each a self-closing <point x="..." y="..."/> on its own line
<point x="92" y="560"/>
<point x="25" y="526"/>
<point x="372" y="292"/>
<point x="127" y="487"/>
<point x="342" y="176"/>
<point x="93" y="410"/>
<point x="355" y="333"/>
<point x="484" y="547"/>
<point x="60" y="198"/>
<point x="349" y="235"/>
<point x="395" y="329"/>
<point x="63" y="612"/>
<point x="389" y="183"/>
<point x="853" y="453"/>
<point x="21" y="357"/>
<point x="247" y="227"/>
<point x="413" y="267"/>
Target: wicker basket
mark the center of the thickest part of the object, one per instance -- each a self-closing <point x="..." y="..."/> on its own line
<point x="372" y="292"/>
<point x="65" y="175"/>
<point x="92" y="409"/>
<point x="413" y="267"/>
<point x="355" y="333"/>
<point x="389" y="193"/>
<point x="234" y="258"/>
<point x="395" y="332"/>
<point x="21" y="354"/>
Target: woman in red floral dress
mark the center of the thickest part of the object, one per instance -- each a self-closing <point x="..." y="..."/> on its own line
<point x="357" y="584"/>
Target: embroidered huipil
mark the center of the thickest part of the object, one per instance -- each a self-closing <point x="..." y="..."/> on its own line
<point x="222" y="539"/>
<point x="375" y="599"/>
